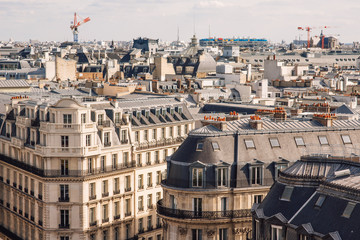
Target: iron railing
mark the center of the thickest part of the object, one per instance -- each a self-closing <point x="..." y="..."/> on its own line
<point x="187" y="214"/>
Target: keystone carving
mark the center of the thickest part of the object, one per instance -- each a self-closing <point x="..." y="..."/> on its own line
<point x="183" y="231"/>
<point x="210" y="232"/>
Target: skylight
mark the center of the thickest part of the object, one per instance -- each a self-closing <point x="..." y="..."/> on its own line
<point x="349" y="209"/>
<point x="286" y="195"/>
<point x="215" y="146"/>
<point x="320" y="201"/>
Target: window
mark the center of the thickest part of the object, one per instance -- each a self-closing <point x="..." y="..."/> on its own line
<point x="105" y="213"/>
<point x="64" y="167"/>
<point x="223" y="234"/>
<point x="123" y="136"/>
<point x="197" y="205"/>
<point x="222" y="177"/>
<point x="256" y="174"/>
<point x="92" y="191"/>
<point x="126" y="158"/>
<point x="114" y="160"/>
<point x="197" y="177"/>
<point x="346" y="139"/>
<point x="127" y="183"/>
<point x="116" y="186"/>
<point x="154" y="134"/>
<point x="149" y="201"/>
<point x="348" y="210"/>
<point x="92" y="216"/>
<point x="249" y="143"/>
<point x="105" y="191"/>
<point x="215" y="146"/>
<point x="64" y="192"/>
<point x="64" y="218"/>
<point x="157" y="158"/>
<point x="141" y="203"/>
<point x="258" y="198"/>
<point x="140" y="181"/>
<point x="106" y="138"/>
<point x="102" y="163"/>
<point x="323" y="140"/>
<point x="105" y="235"/>
<point x="116" y="210"/>
<point x="172" y="202"/>
<point x="299" y="141"/>
<point x="148" y="158"/>
<point x="274" y="142"/>
<point x="303" y="237"/>
<point x="100" y="119"/>
<point x="224" y="203"/>
<point x="149" y="222"/>
<point x="137" y="136"/>
<point x="67" y="120"/>
<point x="286" y="195"/>
<point x="196" y="234"/>
<point x="158" y="177"/>
<point x="276" y="232"/>
<point x="83" y="118"/>
<point x="88" y="140"/>
<point x="163" y="134"/>
<point x="149" y="179"/>
<point x="127" y="207"/>
<point x="179" y="130"/>
<point x="320" y="201"/>
<point x="64" y="238"/>
<point x="117" y="117"/>
<point x="145" y="135"/>
<point x="90" y="165"/>
<point x="64" y="141"/>
<point x="141" y="225"/>
<point x="199" y="146"/>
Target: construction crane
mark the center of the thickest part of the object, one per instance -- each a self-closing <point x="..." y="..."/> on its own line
<point x="308" y="29"/>
<point x="74" y="25"/>
<point x="323" y="35"/>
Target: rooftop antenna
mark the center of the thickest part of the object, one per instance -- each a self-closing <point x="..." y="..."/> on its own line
<point x="178" y="35"/>
<point x="209" y="31"/>
<point x="194" y="23"/>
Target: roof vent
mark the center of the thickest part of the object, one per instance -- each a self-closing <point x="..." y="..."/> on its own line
<point x="342" y="173"/>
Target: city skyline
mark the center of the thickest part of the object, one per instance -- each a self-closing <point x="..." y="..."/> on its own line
<point x="278" y="20"/>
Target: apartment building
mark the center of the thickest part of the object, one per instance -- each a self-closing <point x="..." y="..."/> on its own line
<point x="86" y="168"/>
<point x="219" y="173"/>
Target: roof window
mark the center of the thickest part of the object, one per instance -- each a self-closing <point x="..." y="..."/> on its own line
<point x="286" y="195"/>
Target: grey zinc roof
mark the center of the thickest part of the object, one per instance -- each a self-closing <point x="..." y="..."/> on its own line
<point x="14" y="84"/>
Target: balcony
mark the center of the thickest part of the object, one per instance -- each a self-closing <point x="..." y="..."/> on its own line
<point x="17" y="142"/>
<point x="92" y="197"/>
<point x="107" y="144"/>
<point x="8" y="181"/>
<point x="32" y="193"/>
<point x="104" y="124"/>
<point x="65" y="128"/>
<point x="26" y="190"/>
<point x="105" y="220"/>
<point x="150" y="228"/>
<point x="141" y="187"/>
<point x="105" y="194"/>
<point x="20" y="187"/>
<point x="8" y="205"/>
<point x="128" y="189"/>
<point x="160" y="143"/>
<point x="140" y="209"/>
<point x="116" y="217"/>
<point x="210" y="215"/>
<point x="32" y="218"/>
<point x="148" y="163"/>
<point x="116" y="192"/>
<point x="40" y="223"/>
<point x="141" y="230"/>
<point x="127" y="214"/>
<point x="64" y="226"/>
<point x="26" y="215"/>
<point x="15" y="209"/>
<point x="124" y="141"/>
<point x="14" y="184"/>
<point x="20" y="211"/>
<point x="64" y="199"/>
<point x="158" y="226"/>
<point x="40" y="196"/>
<point x="92" y="224"/>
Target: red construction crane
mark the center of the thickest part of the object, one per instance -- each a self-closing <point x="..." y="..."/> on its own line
<point x="74" y="25"/>
<point x="308" y="29"/>
<point x="323" y="35"/>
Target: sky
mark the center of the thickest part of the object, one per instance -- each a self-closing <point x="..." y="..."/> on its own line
<point x="123" y="20"/>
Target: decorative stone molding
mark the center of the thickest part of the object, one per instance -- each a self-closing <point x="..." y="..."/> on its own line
<point x="182" y="230"/>
<point x="238" y="231"/>
<point x="210" y="232"/>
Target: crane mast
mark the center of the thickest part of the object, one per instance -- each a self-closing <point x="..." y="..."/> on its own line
<point x="74" y="26"/>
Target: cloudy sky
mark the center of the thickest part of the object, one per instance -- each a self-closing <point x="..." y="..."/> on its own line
<point x="275" y="20"/>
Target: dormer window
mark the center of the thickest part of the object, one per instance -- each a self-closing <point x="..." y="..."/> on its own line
<point x="215" y="146"/>
<point x="100" y="119"/>
<point x="256" y="172"/>
<point x="67" y="120"/>
<point x="222" y="177"/>
<point x="197" y="177"/>
<point x="199" y="146"/>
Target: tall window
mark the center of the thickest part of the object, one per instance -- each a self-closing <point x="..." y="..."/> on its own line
<point x="106" y="138"/>
<point x="141" y="203"/>
<point x="196" y="234"/>
<point x="117" y="117"/>
<point x="67" y="120"/>
<point x="116" y="209"/>
<point x="83" y="118"/>
<point x="148" y="158"/>
<point x="92" y="190"/>
<point x="154" y="134"/>
<point x="223" y="234"/>
<point x="137" y="136"/>
<point x="100" y="119"/>
<point x="197" y="177"/>
<point x="158" y="177"/>
<point x="116" y="186"/>
<point x="114" y="161"/>
<point x="222" y="177"/>
<point x="197" y="204"/>
<point x="127" y="207"/>
<point x="123" y="136"/>
<point x="157" y="158"/>
<point x="145" y="135"/>
<point x="105" y="213"/>
<point x="88" y="140"/>
<point x="149" y="201"/>
<point x="64" y="167"/>
<point x="64" y="141"/>
<point x="149" y="179"/>
<point x="127" y="183"/>
<point x="92" y="216"/>
<point x="158" y="196"/>
<point x="224" y="205"/>
<point x="105" y="191"/>
<point x="140" y="181"/>
<point x="64" y="192"/>
<point x="141" y="225"/>
<point x="64" y="218"/>
<point x="256" y="175"/>
<point x="126" y="158"/>
<point x="102" y="163"/>
<point x="163" y="135"/>
<point x="90" y="165"/>
<point x="276" y="232"/>
<point x="149" y="222"/>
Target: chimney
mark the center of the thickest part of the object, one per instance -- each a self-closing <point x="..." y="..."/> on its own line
<point x="256" y="122"/>
<point x="325" y="119"/>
